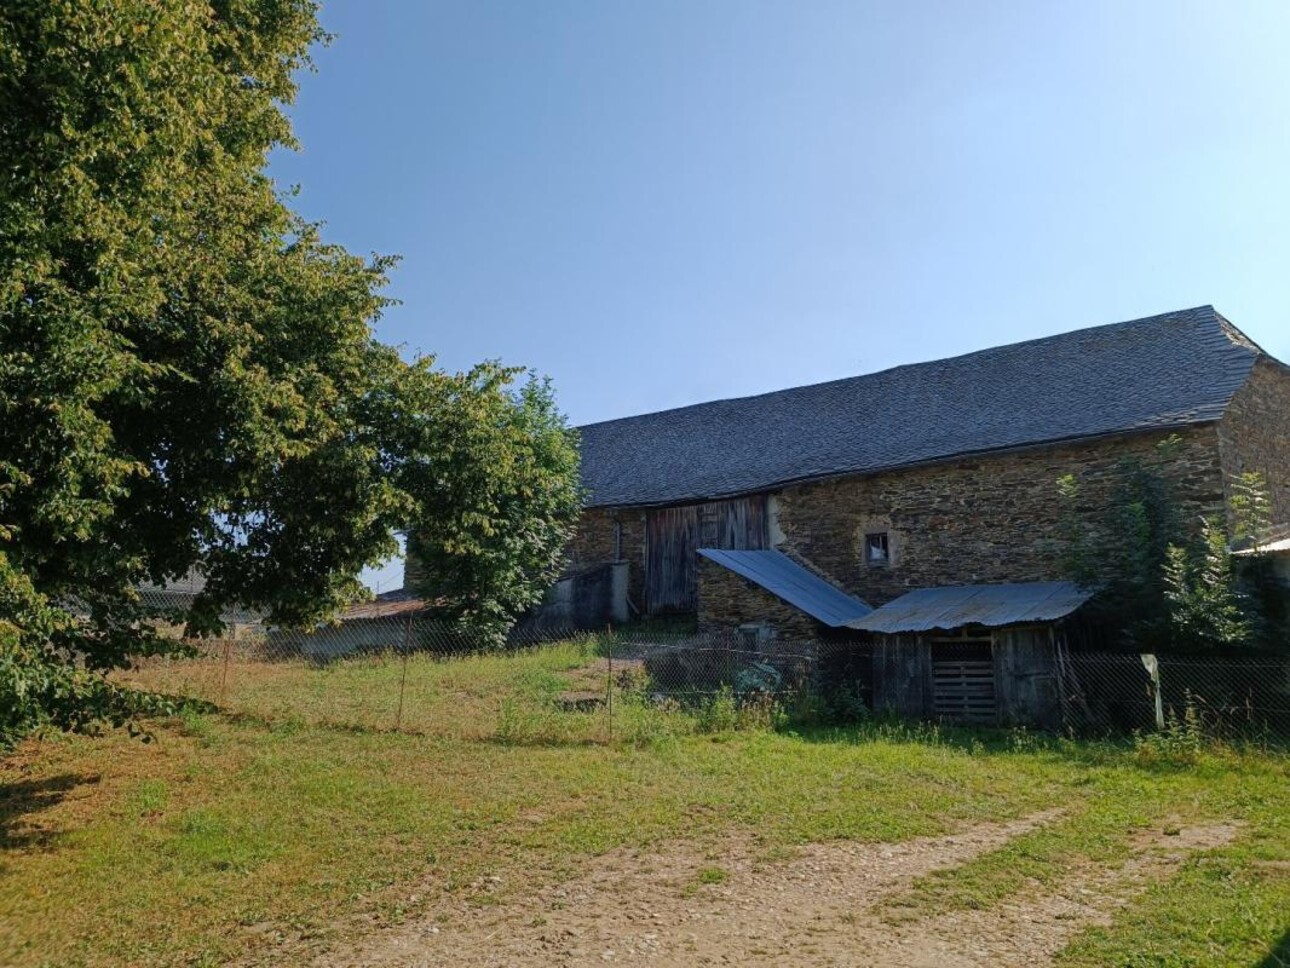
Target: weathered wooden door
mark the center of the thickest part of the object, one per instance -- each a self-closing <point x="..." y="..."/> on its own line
<point x="674" y="535"/>
<point x="672" y="538"/>
<point x="737" y="525"/>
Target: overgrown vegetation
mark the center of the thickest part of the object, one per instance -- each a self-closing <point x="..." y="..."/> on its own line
<point x="1164" y="582"/>
<point x="286" y="827"/>
<point x="188" y="375"/>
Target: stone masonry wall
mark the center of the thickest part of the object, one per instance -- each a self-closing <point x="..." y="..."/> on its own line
<point x="989" y="519"/>
<point x="594" y="542"/>
<point x="1255" y="433"/>
<point x="727" y="600"/>
<point x="993" y="519"/>
<point x="414" y="571"/>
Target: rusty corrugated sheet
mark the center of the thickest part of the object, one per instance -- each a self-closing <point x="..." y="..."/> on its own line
<point x="786" y="579"/>
<point x="988" y="605"/>
<point x="384" y="606"/>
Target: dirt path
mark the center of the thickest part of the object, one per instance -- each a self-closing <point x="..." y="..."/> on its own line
<point x="653" y="908"/>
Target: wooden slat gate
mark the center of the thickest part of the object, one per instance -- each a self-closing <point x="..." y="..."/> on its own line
<point x="963" y="688"/>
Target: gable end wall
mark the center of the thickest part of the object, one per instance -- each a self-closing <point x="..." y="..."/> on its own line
<point x="1254" y="435"/>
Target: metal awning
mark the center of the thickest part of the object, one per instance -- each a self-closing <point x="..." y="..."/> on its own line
<point x="989" y="605"/>
<point x="786" y="579"/>
<point x="1281" y="547"/>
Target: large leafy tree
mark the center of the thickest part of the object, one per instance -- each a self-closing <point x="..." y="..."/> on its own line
<point x="506" y="511"/>
<point x="188" y="374"/>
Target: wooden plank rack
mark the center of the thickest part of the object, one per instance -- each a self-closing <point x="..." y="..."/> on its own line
<point x="963" y="691"/>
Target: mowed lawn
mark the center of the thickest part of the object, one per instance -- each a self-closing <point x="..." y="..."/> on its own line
<point x="292" y="823"/>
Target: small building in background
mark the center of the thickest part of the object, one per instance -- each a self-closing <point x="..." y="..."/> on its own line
<point x="385" y="623"/>
<point x="179" y="595"/>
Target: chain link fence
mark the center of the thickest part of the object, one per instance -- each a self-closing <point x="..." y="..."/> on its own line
<point x="1224" y="697"/>
<point x="387" y="667"/>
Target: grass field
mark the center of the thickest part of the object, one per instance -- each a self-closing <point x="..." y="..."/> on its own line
<point x="291" y="825"/>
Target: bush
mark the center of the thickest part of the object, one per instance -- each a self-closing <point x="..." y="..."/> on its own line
<point x="719" y="713"/>
<point x="1180" y="743"/>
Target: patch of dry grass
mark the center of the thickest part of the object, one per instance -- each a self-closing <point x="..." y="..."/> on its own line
<point x="460" y="697"/>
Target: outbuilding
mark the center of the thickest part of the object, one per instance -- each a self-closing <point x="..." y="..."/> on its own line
<point x="974" y="654"/>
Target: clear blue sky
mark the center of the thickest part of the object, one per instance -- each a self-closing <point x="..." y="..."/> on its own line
<point x="658" y="203"/>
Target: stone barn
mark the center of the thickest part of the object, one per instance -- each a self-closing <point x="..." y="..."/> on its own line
<point x="924" y="476"/>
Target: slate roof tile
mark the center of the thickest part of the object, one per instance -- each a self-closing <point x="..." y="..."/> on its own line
<point x="1164" y="371"/>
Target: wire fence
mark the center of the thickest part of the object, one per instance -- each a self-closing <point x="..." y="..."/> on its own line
<point x="402" y="672"/>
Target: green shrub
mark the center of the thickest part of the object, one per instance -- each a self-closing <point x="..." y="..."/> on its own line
<point x="720" y="713"/>
<point x="1180" y="743"/>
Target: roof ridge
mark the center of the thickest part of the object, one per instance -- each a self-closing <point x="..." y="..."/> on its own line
<point x="1155" y="373"/>
<point x="984" y="351"/>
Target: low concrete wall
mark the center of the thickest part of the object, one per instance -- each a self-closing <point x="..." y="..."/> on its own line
<point x="334" y="641"/>
<point x="590" y="599"/>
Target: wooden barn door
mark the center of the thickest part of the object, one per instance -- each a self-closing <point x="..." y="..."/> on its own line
<point x="738" y="525"/>
<point x="963" y="689"/>
<point x="671" y="569"/>
<point x="674" y="535"/>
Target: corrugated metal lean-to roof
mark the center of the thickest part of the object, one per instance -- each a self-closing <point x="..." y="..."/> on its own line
<point x="786" y="579"/>
<point x="989" y="605"/>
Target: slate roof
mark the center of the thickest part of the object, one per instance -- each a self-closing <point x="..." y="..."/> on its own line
<point x="989" y="605"/>
<point x="1161" y="372"/>
<point x="787" y="580"/>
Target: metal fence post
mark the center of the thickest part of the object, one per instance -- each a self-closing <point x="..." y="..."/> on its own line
<point x="223" y="681"/>
<point x="403" y="678"/>
<point x="609" y="682"/>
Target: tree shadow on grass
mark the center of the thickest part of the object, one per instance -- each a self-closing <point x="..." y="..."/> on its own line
<point x="1279" y="955"/>
<point x="19" y="801"/>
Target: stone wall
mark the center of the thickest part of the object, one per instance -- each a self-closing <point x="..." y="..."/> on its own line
<point x="595" y="540"/>
<point x="727" y="600"/>
<point x="1255" y="433"/>
<point x="991" y="519"/>
<point x="414" y="570"/>
<point x="974" y="520"/>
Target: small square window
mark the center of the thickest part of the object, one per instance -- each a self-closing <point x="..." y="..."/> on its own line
<point x="876" y="549"/>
